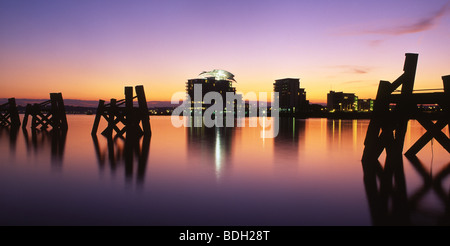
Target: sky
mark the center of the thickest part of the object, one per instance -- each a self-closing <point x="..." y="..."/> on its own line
<point x="91" y="49"/>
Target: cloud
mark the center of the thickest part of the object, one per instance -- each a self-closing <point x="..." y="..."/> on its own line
<point x="358" y="84"/>
<point x="351" y="82"/>
<point x="375" y="43"/>
<point x="352" y="69"/>
<point x="424" y="24"/>
<point x="360" y="71"/>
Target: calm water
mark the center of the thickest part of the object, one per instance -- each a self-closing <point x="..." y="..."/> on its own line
<point x="311" y="174"/>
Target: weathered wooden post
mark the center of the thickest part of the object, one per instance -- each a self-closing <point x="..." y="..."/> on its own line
<point x="25" y="118"/>
<point x="111" y="117"/>
<point x="406" y="106"/>
<point x="131" y="123"/>
<point x="143" y="110"/>
<point x="98" y="116"/>
<point x="446" y="82"/>
<point x="374" y="142"/>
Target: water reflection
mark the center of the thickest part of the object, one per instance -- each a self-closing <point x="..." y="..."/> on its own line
<point x="120" y="152"/>
<point x="11" y="133"/>
<point x="387" y="195"/>
<point x="41" y="139"/>
<point x="342" y="134"/>
<point x="431" y="183"/>
<point x="210" y="145"/>
<point x="386" y="191"/>
<point x="290" y="138"/>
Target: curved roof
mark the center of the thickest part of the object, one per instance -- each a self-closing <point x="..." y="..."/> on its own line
<point x="218" y="74"/>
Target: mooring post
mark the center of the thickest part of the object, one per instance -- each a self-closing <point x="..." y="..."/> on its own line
<point x="61" y="111"/>
<point x="373" y="145"/>
<point x="13" y="113"/>
<point x="54" y="110"/>
<point x="129" y="114"/>
<point x="34" y="120"/>
<point x="446" y="104"/>
<point x="143" y="110"/>
<point x="25" y="117"/>
<point x="406" y="105"/>
<point x="111" y="116"/>
<point x="409" y="68"/>
<point x="98" y="116"/>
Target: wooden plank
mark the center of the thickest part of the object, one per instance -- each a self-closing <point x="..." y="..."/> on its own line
<point x="437" y="133"/>
<point x="422" y="141"/>
<point x="421" y="98"/>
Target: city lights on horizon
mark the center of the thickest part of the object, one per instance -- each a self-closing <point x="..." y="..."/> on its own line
<point x="90" y="50"/>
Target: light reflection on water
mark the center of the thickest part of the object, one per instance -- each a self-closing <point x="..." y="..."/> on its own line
<point x="310" y="174"/>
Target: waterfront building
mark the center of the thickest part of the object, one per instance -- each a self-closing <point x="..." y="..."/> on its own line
<point x="365" y="105"/>
<point x="219" y="81"/>
<point x="342" y="102"/>
<point x="291" y="98"/>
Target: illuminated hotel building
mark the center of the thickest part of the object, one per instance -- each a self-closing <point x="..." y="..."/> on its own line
<point x="342" y="102"/>
<point x="291" y="98"/>
<point x="217" y="80"/>
<point x="365" y="105"/>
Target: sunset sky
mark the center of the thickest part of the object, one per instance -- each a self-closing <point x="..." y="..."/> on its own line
<point x="91" y="49"/>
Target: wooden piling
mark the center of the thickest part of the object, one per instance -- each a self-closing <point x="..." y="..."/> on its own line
<point x="43" y="117"/>
<point x="405" y="106"/>
<point x="13" y="112"/>
<point x="143" y="110"/>
<point x="9" y="115"/>
<point x="374" y="145"/>
<point x="111" y="116"/>
<point x="130" y="119"/>
<point x="98" y="116"/>
<point x="446" y="82"/>
<point x="130" y="116"/>
<point x="393" y="125"/>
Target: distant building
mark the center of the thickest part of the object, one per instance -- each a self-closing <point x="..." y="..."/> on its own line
<point x="342" y="102"/>
<point x="220" y="81"/>
<point x="365" y="105"/>
<point x="291" y="98"/>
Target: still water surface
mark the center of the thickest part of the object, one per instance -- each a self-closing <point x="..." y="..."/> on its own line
<point x="311" y="174"/>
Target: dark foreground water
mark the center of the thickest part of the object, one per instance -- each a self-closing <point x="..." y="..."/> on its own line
<point x="311" y="174"/>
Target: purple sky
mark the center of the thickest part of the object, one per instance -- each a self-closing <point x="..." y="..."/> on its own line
<point x="91" y="49"/>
